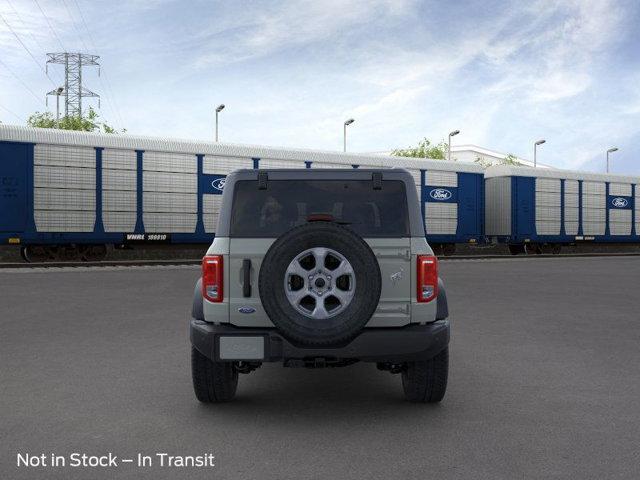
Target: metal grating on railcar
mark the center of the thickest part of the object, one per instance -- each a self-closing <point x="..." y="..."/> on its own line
<point x="620" y="222"/>
<point x="217" y="165"/>
<point x="211" y="211"/>
<point x="571" y="207"/>
<point x="64" y="199"/>
<point x="441" y="179"/>
<point x="64" y="181"/>
<point x="169" y="182"/>
<point x="118" y="159"/>
<point x="441" y="218"/>
<point x="498" y="206"/>
<point x="63" y="156"/>
<point x="548" y="210"/>
<point x="169" y="162"/>
<point x="170" y="223"/>
<point x="275" y="163"/>
<point x="64" y="220"/>
<point x="623" y="189"/>
<point x="594" y="208"/>
<point x="163" y="202"/>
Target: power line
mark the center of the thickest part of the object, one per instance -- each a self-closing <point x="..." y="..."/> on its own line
<point x="12" y="113"/>
<point x="106" y="85"/>
<point x="50" y="26"/>
<point x="21" y="81"/>
<point x="24" y="25"/>
<point x="27" y="49"/>
<point x="75" y="27"/>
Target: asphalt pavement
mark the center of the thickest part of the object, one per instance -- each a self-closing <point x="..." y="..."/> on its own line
<point x="544" y="382"/>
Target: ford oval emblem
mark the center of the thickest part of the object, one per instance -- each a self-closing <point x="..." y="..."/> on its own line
<point x="440" y="194"/>
<point x="218" y="183"/>
<point x="619" y="202"/>
<point x="247" y="310"/>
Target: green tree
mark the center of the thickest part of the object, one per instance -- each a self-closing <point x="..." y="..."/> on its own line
<point x="87" y="123"/>
<point x="425" y="149"/>
<point x="510" y="159"/>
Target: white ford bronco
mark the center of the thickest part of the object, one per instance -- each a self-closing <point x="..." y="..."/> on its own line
<point x="320" y="268"/>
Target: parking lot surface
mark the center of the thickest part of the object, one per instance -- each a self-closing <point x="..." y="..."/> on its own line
<point x="544" y="382"/>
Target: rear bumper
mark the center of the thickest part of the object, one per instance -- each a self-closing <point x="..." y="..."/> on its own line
<point x="393" y="345"/>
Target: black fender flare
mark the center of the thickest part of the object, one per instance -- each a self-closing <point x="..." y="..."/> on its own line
<point x="442" y="309"/>
<point x="197" y="309"/>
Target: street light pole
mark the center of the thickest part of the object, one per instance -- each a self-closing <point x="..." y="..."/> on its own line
<point x="535" y="152"/>
<point x="219" y="108"/>
<point x="59" y="90"/>
<point x="344" y="138"/>
<point x="451" y="134"/>
<point x="611" y="150"/>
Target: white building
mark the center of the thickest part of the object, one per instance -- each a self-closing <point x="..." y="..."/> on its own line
<point x="483" y="156"/>
<point x="471" y="153"/>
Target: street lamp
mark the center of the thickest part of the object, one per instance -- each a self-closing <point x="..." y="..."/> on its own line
<point x="452" y="134"/>
<point x="347" y="122"/>
<point x="611" y="150"/>
<point x="218" y="110"/>
<point x="535" y="152"/>
<point x="57" y="92"/>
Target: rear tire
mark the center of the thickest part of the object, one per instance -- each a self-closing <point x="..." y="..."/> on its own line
<point x="426" y="382"/>
<point x="213" y="382"/>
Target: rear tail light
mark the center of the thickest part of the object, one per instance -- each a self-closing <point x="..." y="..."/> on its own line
<point x="427" y="278"/>
<point x="212" y="278"/>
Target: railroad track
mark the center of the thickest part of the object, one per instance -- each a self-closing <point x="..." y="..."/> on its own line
<point x="139" y="263"/>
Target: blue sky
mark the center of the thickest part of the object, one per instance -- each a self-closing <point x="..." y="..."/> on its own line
<point x="290" y="73"/>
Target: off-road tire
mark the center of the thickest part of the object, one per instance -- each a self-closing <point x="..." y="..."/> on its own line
<point x="344" y="326"/>
<point x="213" y="382"/>
<point x="426" y="382"/>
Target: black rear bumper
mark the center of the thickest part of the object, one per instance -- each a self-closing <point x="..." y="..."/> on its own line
<point x="392" y="345"/>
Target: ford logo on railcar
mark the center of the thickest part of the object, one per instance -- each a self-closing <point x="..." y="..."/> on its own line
<point x="440" y="194"/>
<point x="619" y="202"/>
<point x="247" y="310"/>
<point x="218" y="183"/>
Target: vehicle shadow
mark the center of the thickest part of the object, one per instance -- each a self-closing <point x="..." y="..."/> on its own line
<point x="308" y="396"/>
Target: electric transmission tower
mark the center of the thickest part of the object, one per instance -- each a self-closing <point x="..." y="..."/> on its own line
<point x="73" y="90"/>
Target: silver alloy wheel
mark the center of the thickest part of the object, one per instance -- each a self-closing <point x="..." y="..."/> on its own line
<point x="319" y="283"/>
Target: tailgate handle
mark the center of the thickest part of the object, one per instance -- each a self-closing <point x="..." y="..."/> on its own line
<point x="246" y="277"/>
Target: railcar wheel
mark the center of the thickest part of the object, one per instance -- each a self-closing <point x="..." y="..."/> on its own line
<point x="449" y="249"/>
<point x="516" y="249"/>
<point x="532" y="249"/>
<point x="93" y="253"/>
<point x="35" y="253"/>
<point x="547" y="248"/>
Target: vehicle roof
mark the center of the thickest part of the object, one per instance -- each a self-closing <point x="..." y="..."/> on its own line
<point x="17" y="133"/>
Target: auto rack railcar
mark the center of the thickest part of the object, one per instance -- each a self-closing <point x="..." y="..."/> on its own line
<point x="73" y="193"/>
<point x="540" y="210"/>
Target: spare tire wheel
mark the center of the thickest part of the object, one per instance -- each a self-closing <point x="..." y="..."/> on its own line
<point x="320" y="284"/>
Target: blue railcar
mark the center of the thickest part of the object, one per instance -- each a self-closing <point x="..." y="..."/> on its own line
<point x="536" y="210"/>
<point x="73" y="193"/>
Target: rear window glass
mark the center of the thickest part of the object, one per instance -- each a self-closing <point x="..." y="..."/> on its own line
<point x="289" y="203"/>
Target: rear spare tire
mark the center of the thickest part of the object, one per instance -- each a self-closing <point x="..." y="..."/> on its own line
<point x="320" y="284"/>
